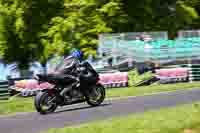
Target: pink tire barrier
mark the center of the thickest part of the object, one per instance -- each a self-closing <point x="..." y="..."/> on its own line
<point x="109" y="80"/>
<point x="172" y="72"/>
<point x="172" y="75"/>
<point x="29" y="87"/>
<point x="119" y="79"/>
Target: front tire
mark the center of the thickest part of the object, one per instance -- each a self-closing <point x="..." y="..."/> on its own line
<point x="42" y="99"/>
<point x="97" y="99"/>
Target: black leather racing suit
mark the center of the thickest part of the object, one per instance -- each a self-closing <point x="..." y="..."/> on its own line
<point x="79" y="71"/>
<point x="88" y="74"/>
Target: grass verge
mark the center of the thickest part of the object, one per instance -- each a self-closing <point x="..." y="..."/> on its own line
<point x="15" y="105"/>
<point x="182" y="119"/>
<point x="156" y="88"/>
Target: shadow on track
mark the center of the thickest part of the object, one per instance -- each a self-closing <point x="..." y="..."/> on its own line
<point x="80" y="108"/>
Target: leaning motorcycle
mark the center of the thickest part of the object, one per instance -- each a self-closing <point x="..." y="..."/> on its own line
<point x="84" y="90"/>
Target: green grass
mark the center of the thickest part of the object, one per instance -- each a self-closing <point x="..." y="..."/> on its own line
<point x="182" y="119"/>
<point x="26" y="104"/>
<point x="16" y="105"/>
<point x="156" y="88"/>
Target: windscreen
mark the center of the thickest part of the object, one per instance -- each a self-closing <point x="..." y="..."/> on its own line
<point x="59" y="63"/>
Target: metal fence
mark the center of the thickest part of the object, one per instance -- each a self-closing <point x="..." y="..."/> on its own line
<point x="127" y="45"/>
<point x="150" y="46"/>
<point x="4" y="91"/>
<point x="188" y="33"/>
<point x="194" y="72"/>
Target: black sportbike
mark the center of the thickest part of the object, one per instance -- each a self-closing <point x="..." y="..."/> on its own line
<point x="68" y="89"/>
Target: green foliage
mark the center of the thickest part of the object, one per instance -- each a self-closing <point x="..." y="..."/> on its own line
<point x="35" y="30"/>
<point x="22" y="22"/>
<point x="188" y="13"/>
<point x="81" y="24"/>
<point x="159" y="15"/>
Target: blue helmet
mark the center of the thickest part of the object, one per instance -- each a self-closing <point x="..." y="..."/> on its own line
<point x="77" y="54"/>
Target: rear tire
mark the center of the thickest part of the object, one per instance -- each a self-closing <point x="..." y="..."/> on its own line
<point x="40" y="99"/>
<point x="101" y="96"/>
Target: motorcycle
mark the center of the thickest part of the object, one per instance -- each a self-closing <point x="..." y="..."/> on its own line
<point x="82" y="90"/>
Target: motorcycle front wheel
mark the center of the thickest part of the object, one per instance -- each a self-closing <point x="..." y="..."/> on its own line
<point x="45" y="102"/>
<point x="97" y="96"/>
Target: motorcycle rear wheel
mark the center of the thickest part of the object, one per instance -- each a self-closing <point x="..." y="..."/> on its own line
<point x="43" y="99"/>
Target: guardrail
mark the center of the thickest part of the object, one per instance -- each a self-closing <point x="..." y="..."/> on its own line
<point x="4" y="91"/>
<point x="194" y="72"/>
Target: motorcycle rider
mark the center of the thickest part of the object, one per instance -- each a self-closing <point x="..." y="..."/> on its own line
<point x="76" y="68"/>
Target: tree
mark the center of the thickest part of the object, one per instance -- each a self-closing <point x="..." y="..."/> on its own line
<point x="11" y="32"/>
<point x="82" y="22"/>
<point x="35" y="30"/>
<point x="159" y="15"/>
<point x="22" y="22"/>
